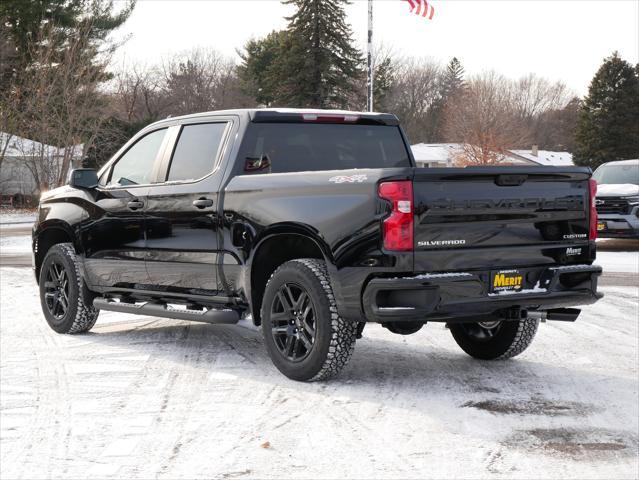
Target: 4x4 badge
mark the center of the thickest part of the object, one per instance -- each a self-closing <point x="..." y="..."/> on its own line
<point x="348" y="179"/>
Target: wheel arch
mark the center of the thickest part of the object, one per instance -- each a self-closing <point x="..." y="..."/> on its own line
<point x="275" y="247"/>
<point x="47" y="235"/>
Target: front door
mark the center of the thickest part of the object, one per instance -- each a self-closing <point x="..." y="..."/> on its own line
<point x="114" y="237"/>
<point x="181" y="213"/>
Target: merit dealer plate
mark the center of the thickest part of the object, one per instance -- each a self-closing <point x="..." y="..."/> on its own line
<point x="601" y="226"/>
<point x="506" y="281"/>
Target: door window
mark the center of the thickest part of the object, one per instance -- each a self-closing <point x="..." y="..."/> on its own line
<point x="135" y="167"/>
<point x="196" y="151"/>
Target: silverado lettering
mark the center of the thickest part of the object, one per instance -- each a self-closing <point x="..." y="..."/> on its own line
<point x="567" y="203"/>
<point x="310" y="224"/>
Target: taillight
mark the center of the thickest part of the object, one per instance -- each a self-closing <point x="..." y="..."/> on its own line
<point x="398" y="227"/>
<point x="593" y="209"/>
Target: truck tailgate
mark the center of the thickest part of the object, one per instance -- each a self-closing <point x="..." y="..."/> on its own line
<point x="471" y="216"/>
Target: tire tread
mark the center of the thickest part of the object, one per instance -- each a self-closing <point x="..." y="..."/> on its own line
<point x="343" y="333"/>
<point x="85" y="315"/>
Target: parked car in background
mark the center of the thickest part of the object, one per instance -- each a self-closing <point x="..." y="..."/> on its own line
<point x="618" y="199"/>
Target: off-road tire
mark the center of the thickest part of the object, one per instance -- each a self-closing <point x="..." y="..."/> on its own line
<point x="80" y="315"/>
<point x="512" y="338"/>
<point x="334" y="337"/>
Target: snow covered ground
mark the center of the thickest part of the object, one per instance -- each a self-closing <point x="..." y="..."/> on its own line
<point x="617" y="255"/>
<point x="15" y="244"/>
<point x="12" y="216"/>
<point x="142" y="397"/>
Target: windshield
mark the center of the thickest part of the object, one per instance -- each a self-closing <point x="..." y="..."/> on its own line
<point x="617" y="174"/>
<point x="302" y="147"/>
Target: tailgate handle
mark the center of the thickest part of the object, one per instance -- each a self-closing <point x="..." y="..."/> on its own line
<point x="510" y="180"/>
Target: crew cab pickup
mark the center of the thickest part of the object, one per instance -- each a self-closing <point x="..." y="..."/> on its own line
<point x="312" y="223"/>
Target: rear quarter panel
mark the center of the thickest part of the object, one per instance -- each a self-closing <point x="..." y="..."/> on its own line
<point x="339" y="209"/>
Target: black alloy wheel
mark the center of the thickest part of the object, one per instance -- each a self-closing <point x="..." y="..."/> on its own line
<point x="56" y="290"/>
<point x="293" y="322"/>
<point x="304" y="335"/>
<point x="64" y="295"/>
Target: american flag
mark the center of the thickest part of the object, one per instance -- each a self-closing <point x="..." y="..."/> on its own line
<point x="421" y="8"/>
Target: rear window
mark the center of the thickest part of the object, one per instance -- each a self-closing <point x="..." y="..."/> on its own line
<point x="196" y="151"/>
<point x="293" y="147"/>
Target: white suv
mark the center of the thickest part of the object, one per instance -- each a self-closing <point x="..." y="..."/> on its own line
<point x="618" y="199"/>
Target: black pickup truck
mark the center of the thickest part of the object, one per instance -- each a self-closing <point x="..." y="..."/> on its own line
<point x="312" y="223"/>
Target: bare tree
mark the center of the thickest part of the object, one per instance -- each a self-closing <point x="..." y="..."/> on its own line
<point x="199" y="80"/>
<point x="414" y="92"/>
<point x="485" y="120"/>
<point x="60" y="100"/>
<point x="533" y="96"/>
<point x="138" y="94"/>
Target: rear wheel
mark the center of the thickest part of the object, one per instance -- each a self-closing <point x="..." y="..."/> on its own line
<point x="498" y="340"/>
<point x="304" y="335"/>
<point x="65" y="298"/>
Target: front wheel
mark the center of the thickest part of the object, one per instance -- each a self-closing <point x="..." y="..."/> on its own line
<point x="497" y="340"/>
<point x="65" y="298"/>
<point x="304" y="335"/>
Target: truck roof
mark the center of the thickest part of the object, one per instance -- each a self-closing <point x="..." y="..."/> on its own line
<point x="294" y="115"/>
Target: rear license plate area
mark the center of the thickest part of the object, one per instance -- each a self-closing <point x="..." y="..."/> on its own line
<point x="601" y="226"/>
<point x="510" y="280"/>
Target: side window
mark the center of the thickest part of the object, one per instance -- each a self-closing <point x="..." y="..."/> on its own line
<point x="136" y="165"/>
<point x="196" y="151"/>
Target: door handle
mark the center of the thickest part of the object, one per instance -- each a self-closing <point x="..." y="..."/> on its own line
<point x="135" y="204"/>
<point x="203" y="203"/>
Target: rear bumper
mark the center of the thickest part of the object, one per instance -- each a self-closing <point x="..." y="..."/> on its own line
<point x="619" y="226"/>
<point x="446" y="296"/>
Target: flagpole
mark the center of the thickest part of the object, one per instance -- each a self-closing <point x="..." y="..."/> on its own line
<point x="369" y="82"/>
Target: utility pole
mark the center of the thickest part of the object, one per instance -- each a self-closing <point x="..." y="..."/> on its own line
<point x="369" y="81"/>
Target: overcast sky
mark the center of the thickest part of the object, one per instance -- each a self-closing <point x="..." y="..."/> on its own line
<point x="559" y="39"/>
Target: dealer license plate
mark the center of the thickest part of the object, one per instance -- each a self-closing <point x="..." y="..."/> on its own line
<point x="601" y="226"/>
<point x="506" y="281"/>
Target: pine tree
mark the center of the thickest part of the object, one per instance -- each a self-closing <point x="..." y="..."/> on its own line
<point x="22" y="22"/>
<point x="319" y="66"/>
<point x="259" y="69"/>
<point x="452" y="84"/>
<point x="453" y="81"/>
<point x="385" y="72"/>
<point x="609" y="121"/>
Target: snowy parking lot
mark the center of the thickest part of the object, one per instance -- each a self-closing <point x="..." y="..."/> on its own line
<point x="142" y="397"/>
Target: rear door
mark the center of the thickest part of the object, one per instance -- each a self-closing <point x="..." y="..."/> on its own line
<point x="181" y="211"/>
<point x="495" y="217"/>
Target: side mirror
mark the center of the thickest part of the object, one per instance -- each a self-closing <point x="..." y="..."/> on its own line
<point x="254" y="164"/>
<point x="83" y="178"/>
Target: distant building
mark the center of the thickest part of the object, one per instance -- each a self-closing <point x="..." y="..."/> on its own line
<point x="434" y="155"/>
<point x="545" y="157"/>
<point x="21" y="156"/>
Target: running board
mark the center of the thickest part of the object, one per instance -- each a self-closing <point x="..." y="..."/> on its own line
<point x="164" y="311"/>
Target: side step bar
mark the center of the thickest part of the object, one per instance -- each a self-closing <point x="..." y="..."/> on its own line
<point x="164" y="311"/>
